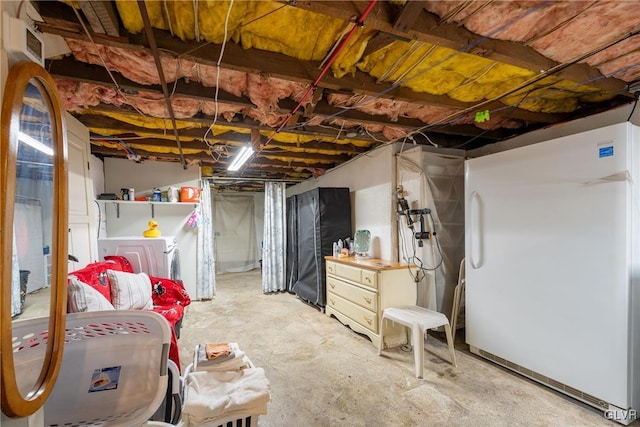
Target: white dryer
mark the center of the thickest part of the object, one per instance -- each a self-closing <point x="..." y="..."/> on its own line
<point x="155" y="256"/>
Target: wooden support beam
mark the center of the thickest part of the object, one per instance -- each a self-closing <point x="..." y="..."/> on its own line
<point x="410" y="12"/>
<point x="285" y="67"/>
<point x="378" y="41"/>
<point x="70" y="69"/>
<point x="257" y="164"/>
<point x="102" y="122"/>
<point x="256" y="139"/>
<point x="428" y="28"/>
<point x="165" y="88"/>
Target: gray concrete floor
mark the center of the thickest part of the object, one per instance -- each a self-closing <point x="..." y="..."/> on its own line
<point x="324" y="374"/>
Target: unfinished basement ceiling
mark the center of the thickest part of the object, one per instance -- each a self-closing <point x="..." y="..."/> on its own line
<point x="457" y="74"/>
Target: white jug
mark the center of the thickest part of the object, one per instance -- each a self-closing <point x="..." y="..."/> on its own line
<point x="172" y="194"/>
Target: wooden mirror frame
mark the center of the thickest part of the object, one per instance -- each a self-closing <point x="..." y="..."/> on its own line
<point x="14" y="404"/>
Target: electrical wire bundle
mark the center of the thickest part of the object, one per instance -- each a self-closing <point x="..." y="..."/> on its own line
<point x="421" y="270"/>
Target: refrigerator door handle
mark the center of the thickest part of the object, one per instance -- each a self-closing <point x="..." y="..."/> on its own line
<point x="475" y="240"/>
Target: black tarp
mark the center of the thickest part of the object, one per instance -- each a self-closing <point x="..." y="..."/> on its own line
<point x="292" y="242"/>
<point x="323" y="216"/>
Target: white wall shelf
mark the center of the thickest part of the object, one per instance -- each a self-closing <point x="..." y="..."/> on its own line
<point x="117" y="204"/>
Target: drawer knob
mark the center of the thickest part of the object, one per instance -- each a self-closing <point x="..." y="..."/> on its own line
<point x="367" y="279"/>
<point x="333" y="285"/>
<point x="367" y="300"/>
<point x="368" y="320"/>
<point x="332" y="301"/>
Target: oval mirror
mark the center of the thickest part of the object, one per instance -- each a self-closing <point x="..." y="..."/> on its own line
<point x="33" y="243"/>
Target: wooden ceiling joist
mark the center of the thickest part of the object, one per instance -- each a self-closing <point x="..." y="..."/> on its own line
<point x="68" y="68"/>
<point x="428" y="28"/>
<point x="165" y="89"/>
<point x="259" y="163"/>
<point x="288" y="68"/>
<point x="408" y="15"/>
<point x="94" y="121"/>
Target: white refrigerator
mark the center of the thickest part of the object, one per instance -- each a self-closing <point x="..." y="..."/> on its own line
<point x="552" y="258"/>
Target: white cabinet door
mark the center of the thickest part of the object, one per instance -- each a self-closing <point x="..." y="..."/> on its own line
<point x="82" y="229"/>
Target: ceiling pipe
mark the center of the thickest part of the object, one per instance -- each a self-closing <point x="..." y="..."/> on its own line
<point x="359" y="23"/>
<point x="165" y="89"/>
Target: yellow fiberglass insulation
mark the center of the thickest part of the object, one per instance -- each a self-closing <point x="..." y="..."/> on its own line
<point x="294" y="149"/>
<point x="150" y="148"/>
<point x="293" y="138"/>
<point x="294" y="32"/>
<point x="441" y="71"/>
<point x="265" y="25"/>
<point x="169" y="137"/>
<point x="290" y="159"/>
<point x="164" y="149"/>
<point x="468" y="78"/>
<point x="212" y="16"/>
<point x="132" y="20"/>
<point x="283" y="139"/>
<point x="147" y="122"/>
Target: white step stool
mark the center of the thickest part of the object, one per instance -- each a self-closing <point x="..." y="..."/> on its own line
<point x="419" y="320"/>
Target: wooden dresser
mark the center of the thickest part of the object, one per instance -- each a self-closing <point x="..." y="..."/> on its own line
<point x="358" y="289"/>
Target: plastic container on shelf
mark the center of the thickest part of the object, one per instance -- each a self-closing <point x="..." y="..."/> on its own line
<point x="190" y="194"/>
<point x="173" y="194"/>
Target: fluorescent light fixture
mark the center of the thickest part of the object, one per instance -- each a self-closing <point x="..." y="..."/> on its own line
<point x="242" y="156"/>
<point x="32" y="142"/>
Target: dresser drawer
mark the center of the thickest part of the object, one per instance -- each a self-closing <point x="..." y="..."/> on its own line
<point x="365" y="298"/>
<point x="349" y="272"/>
<point x="361" y="315"/>
<point x="369" y="278"/>
<point x="331" y="267"/>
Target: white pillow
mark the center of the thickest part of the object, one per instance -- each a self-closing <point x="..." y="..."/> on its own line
<point x="130" y="291"/>
<point x="82" y="297"/>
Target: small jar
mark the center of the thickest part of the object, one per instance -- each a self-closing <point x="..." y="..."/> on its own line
<point x="132" y="195"/>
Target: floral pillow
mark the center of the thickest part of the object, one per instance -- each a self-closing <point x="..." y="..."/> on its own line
<point x="130" y="291"/>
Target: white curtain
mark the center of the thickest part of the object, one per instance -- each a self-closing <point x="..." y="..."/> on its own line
<point x="236" y="244"/>
<point x="275" y="238"/>
<point x="206" y="274"/>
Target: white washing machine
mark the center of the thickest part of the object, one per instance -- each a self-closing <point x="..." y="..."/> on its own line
<point x="155" y="256"/>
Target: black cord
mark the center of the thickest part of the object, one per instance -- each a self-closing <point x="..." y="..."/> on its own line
<point x="635" y="104"/>
<point x="435" y="237"/>
<point x="414" y="259"/>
